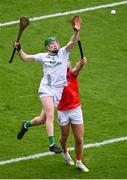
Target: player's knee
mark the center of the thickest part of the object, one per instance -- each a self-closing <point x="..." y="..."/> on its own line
<point x="64" y="136"/>
<point x="50" y="116"/>
<point x="79" y="140"/>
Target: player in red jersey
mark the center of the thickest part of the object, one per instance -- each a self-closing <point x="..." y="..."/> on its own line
<point x="70" y="115"/>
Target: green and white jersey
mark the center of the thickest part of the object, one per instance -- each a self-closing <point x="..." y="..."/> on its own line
<point x="54" y="68"/>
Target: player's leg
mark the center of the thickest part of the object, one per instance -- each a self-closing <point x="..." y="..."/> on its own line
<point x="49" y="110"/>
<point x="48" y="105"/>
<point x="78" y="131"/>
<point x="65" y="130"/>
<point x="39" y="119"/>
<point x="34" y="122"/>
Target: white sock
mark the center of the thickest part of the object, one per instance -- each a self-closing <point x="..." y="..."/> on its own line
<point x="78" y="161"/>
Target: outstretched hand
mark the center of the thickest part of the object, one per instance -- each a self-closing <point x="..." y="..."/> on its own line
<point x="76" y="22"/>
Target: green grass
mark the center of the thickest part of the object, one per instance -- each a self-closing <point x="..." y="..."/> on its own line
<point x="106" y="162"/>
<point x="103" y="89"/>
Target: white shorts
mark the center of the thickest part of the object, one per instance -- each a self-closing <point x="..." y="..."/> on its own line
<point x="73" y="116"/>
<point x="56" y="93"/>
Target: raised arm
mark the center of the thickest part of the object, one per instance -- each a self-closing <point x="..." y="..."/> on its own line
<point x="76" y="26"/>
<point x="79" y="65"/>
<point x="23" y="56"/>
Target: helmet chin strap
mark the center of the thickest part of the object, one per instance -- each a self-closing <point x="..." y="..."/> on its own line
<point x="54" y="52"/>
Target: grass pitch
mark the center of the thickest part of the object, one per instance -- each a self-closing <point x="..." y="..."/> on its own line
<point x="103" y="89"/>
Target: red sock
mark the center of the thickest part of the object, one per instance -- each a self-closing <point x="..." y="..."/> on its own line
<point x="79" y="157"/>
<point x="65" y="150"/>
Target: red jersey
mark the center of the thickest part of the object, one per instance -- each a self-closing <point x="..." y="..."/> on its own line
<point x="70" y="96"/>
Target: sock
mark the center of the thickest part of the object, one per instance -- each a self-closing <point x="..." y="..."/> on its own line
<point x="27" y="124"/>
<point x="51" y="140"/>
<point x="78" y="161"/>
<point x="79" y="157"/>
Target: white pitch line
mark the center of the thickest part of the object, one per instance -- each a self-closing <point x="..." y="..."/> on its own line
<point x="35" y="156"/>
<point x="67" y="13"/>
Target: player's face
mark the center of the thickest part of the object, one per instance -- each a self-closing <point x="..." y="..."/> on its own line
<point x="54" y="46"/>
